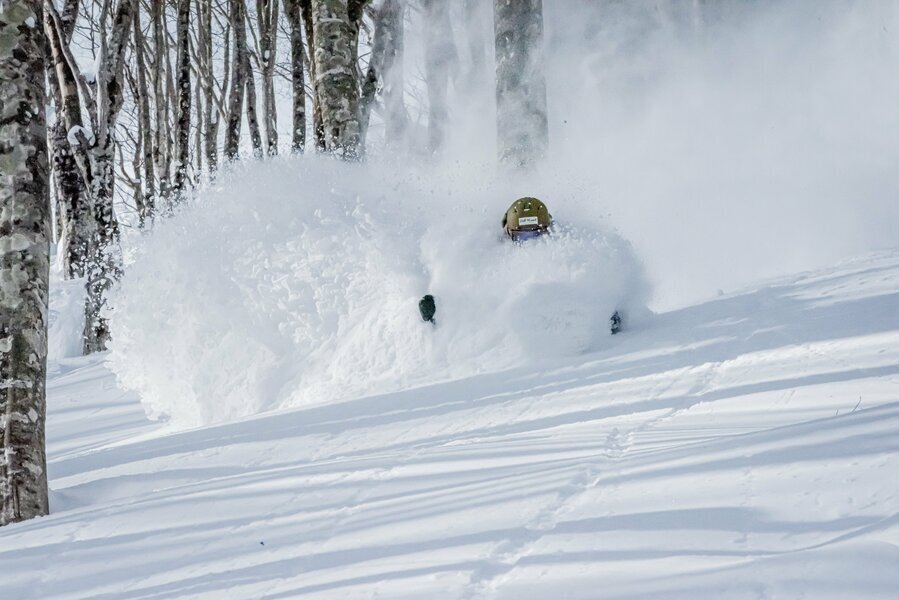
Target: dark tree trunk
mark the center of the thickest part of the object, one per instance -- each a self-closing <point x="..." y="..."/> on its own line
<point x="239" y="65"/>
<point x="252" y="117"/>
<point x="182" y="126"/>
<point x="211" y="116"/>
<point x="161" y="145"/>
<point x="198" y="130"/>
<point x="143" y="111"/>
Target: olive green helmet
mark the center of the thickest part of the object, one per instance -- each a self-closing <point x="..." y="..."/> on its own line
<point x="527" y="214"/>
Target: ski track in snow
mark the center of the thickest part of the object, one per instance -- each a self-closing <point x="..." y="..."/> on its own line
<point x="741" y="448"/>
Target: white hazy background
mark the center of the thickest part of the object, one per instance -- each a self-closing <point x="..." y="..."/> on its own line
<point x="690" y="152"/>
<point x="749" y="139"/>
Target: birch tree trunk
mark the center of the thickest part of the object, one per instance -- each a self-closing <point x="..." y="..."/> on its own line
<point x="293" y="11"/>
<point x="385" y="73"/>
<point x="267" y="16"/>
<point x="522" y="129"/>
<point x="73" y="202"/>
<point x="161" y="145"/>
<point x="252" y="118"/>
<point x="239" y="65"/>
<point x="336" y="79"/>
<point x="198" y="130"/>
<point x="143" y="112"/>
<point x="71" y="195"/>
<point x="24" y="263"/>
<point x="104" y="264"/>
<point x="440" y="60"/>
<point x="211" y="116"/>
<point x="318" y="127"/>
<point x="182" y="123"/>
<point x="355" y="11"/>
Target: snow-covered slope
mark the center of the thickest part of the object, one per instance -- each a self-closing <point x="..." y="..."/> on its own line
<point x="746" y="447"/>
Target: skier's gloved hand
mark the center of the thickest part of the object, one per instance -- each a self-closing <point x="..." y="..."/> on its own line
<point x="427" y="307"/>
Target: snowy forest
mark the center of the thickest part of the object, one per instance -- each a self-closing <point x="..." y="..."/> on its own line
<point x="218" y="219"/>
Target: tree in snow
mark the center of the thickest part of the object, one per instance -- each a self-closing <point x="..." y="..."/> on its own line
<point x="211" y="100"/>
<point x="162" y="146"/>
<point x="24" y="263"/>
<point x="334" y="54"/>
<point x="267" y="12"/>
<point x="384" y="76"/>
<point x="522" y="129"/>
<point x="95" y="153"/>
<point x="239" y="67"/>
<point x="69" y="187"/>
<point x="294" y="14"/>
<point x="182" y="124"/>
<point x="252" y="117"/>
<point x="242" y="95"/>
<point x="145" y="195"/>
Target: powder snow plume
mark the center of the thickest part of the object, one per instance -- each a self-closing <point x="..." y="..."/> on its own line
<point x="296" y="282"/>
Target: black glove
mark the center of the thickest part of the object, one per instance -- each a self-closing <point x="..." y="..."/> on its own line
<point x="427" y="308"/>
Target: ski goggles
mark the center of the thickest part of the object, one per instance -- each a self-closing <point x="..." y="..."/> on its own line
<point x="523" y="235"/>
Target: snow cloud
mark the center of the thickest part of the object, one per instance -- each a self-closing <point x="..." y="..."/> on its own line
<point x="737" y="142"/>
<point x="296" y="282"/>
<point x="729" y="141"/>
<point x="756" y="141"/>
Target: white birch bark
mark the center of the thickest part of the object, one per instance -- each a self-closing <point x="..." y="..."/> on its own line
<point x="293" y="12"/>
<point x="24" y="263"/>
<point x="104" y="261"/>
<point x="318" y="128"/>
<point x="336" y="78"/>
<point x="95" y="156"/>
<point x="73" y="200"/>
<point x="71" y="195"/>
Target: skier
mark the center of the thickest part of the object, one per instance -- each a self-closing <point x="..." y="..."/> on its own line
<point x="527" y="219"/>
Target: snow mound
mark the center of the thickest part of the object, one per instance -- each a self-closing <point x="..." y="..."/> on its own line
<point x="296" y="282"/>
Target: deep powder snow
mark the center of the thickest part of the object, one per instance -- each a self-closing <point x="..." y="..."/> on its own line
<point x="296" y="282"/>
